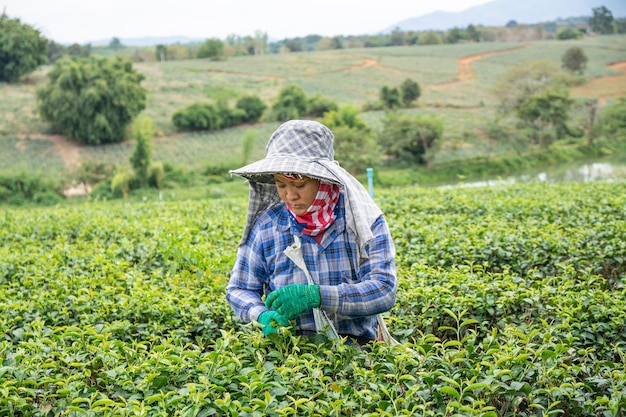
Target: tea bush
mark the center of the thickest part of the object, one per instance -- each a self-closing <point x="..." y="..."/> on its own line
<point x="510" y="303"/>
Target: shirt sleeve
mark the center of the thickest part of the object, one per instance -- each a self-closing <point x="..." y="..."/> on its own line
<point x="245" y="287"/>
<point x="375" y="291"/>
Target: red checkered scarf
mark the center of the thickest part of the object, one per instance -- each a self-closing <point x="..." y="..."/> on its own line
<point x="321" y="213"/>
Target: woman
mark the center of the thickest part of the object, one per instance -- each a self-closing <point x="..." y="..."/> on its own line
<point x="299" y="190"/>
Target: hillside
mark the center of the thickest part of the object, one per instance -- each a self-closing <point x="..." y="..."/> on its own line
<point x="455" y="80"/>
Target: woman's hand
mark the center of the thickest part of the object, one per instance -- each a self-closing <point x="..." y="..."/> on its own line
<point x="268" y="318"/>
<point x="292" y="300"/>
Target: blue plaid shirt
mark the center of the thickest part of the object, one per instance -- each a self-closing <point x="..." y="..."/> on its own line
<point x="351" y="294"/>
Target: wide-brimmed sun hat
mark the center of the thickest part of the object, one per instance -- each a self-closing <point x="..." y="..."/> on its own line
<point x="298" y="146"/>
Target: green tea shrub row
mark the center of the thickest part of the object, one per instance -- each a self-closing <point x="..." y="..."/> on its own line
<point x="510" y="303"/>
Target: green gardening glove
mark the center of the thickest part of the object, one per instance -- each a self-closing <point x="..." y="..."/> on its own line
<point x="269" y="318"/>
<point x="292" y="300"/>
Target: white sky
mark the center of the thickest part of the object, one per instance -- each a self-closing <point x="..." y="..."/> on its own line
<point x="83" y="21"/>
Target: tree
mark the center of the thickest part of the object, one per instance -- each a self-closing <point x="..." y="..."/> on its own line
<point x="472" y="33"/>
<point x="569" y="33"/>
<point x="115" y="44"/>
<point x="410" y="91"/>
<point x="326" y="44"/>
<point x="523" y="81"/>
<point x="429" y="38"/>
<point x="545" y="110"/>
<point x="161" y="52"/>
<point x="253" y="107"/>
<point x="355" y="143"/>
<point x="319" y="105"/>
<point x="397" y="38"/>
<point x="602" y="20"/>
<point x="55" y="52"/>
<point x="454" y="35"/>
<point x="22" y="49"/>
<point x="291" y="103"/>
<point x="574" y="59"/>
<point x="76" y="50"/>
<point x="390" y="97"/>
<point x="612" y="119"/>
<point x="294" y="45"/>
<point x="211" y="48"/>
<point x="197" y="116"/>
<point x="92" y="100"/>
<point x="347" y="116"/>
<point x="143" y="132"/>
<point x="410" y="138"/>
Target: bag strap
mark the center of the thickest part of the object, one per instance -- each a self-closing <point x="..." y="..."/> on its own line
<point x="322" y="323"/>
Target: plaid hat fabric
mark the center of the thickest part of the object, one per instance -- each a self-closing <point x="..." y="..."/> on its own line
<point x="295" y="147"/>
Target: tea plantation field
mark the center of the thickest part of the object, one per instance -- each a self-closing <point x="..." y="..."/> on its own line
<point x="511" y="302"/>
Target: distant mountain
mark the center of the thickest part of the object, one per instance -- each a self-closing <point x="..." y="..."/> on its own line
<point x="499" y="12"/>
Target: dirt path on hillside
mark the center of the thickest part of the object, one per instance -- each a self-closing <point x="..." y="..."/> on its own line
<point x="69" y="151"/>
<point x="466" y="72"/>
<point x="620" y="82"/>
<point x="605" y="88"/>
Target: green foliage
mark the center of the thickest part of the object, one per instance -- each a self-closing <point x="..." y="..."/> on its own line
<point x="115" y="44"/>
<point x="430" y="38"/>
<point x="160" y="52"/>
<point x="120" y="183"/>
<point x="91" y="171"/>
<point x="92" y="100"/>
<point x="521" y="82"/>
<point x="410" y="91"/>
<point x="409" y="138"/>
<point x="156" y="175"/>
<point x="548" y="109"/>
<point x="454" y="35"/>
<point x="602" y="20"/>
<point x="212" y="48"/>
<point x="355" y="143"/>
<point x="568" y="34"/>
<point x="253" y="108"/>
<point x="574" y="59"/>
<point x="391" y="97"/>
<point x="141" y="158"/>
<point x="197" y="116"/>
<point x="76" y="50"/>
<point x="290" y="104"/>
<point x="508" y="304"/>
<point x="229" y="116"/>
<point x="472" y="33"/>
<point x="22" y="49"/>
<point x="356" y="149"/>
<point x="24" y="187"/>
<point x="348" y="116"/>
<point x="205" y="116"/>
<point x="318" y="105"/>
<point x="612" y="119"/>
<point x="55" y="52"/>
